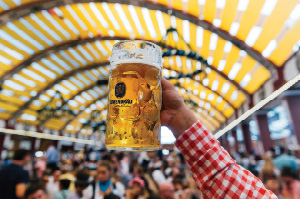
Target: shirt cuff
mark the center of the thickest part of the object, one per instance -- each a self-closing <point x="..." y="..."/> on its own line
<point x="194" y="142"/>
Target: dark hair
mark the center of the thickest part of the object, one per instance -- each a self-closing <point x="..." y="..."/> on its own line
<point x="65" y="184"/>
<point x="32" y="189"/>
<point x="287" y="172"/>
<point x="282" y="150"/>
<point x="20" y="154"/>
<point x="106" y="164"/>
<point x="47" y="173"/>
<point x="82" y="178"/>
<point x="56" y="168"/>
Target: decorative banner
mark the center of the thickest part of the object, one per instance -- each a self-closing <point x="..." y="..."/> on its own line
<point x="233" y="124"/>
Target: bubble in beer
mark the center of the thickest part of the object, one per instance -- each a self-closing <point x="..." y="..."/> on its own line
<point x="151" y="112"/>
<point x="151" y="76"/>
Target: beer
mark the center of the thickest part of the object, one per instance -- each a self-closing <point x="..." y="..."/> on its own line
<point x="134" y="105"/>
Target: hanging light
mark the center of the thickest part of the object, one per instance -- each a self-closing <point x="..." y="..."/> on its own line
<point x="57" y="108"/>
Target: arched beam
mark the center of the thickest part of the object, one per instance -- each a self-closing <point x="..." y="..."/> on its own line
<point x="49" y="86"/>
<point x="55" y="49"/>
<point x="90" y="87"/>
<point x="216" y="93"/>
<point x="79" y="113"/>
<point x="45" y="53"/>
<point x="204" y="100"/>
<point x="150" y="5"/>
<point x="94" y="101"/>
<point x="238" y="86"/>
<point x="63" y="46"/>
<point x="208" y="88"/>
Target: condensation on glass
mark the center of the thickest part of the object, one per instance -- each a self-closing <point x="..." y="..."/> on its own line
<point x="134" y="102"/>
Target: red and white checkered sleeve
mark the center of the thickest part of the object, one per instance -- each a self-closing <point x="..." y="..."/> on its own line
<point x="216" y="174"/>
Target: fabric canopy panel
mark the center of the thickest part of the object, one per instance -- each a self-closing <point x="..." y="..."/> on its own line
<point x="67" y="48"/>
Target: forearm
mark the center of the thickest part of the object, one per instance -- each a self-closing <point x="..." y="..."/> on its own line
<point x="216" y="174"/>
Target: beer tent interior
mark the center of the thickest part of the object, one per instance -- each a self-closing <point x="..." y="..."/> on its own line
<point x="65" y="46"/>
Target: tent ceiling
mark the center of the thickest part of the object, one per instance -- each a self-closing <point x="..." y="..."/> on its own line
<point x="66" y="47"/>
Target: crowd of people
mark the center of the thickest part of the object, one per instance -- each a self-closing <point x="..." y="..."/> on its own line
<point x="201" y="163"/>
<point x="129" y="175"/>
<point x="277" y="169"/>
<point x="97" y="175"/>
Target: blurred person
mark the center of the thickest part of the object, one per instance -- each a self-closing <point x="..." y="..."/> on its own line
<point x="104" y="185"/>
<point x="179" y="188"/>
<point x="182" y="191"/>
<point x="36" y="192"/>
<point x="269" y="169"/>
<point x="45" y="178"/>
<point x="53" y="183"/>
<point x="291" y="186"/>
<point x="150" y="184"/>
<point x="211" y="165"/>
<point x="162" y="173"/>
<point x="40" y="166"/>
<point x="138" y="190"/>
<point x="64" y="192"/>
<point x="13" y="178"/>
<point x="52" y="155"/>
<point x="68" y="175"/>
<point x="124" y="168"/>
<point x="285" y="160"/>
<point x="273" y="184"/>
<point x="156" y="163"/>
<point x="167" y="191"/>
<point x="83" y="189"/>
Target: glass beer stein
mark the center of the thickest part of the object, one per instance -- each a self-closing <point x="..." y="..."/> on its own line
<point x="134" y="101"/>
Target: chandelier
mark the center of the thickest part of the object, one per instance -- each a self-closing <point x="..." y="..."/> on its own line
<point x="95" y="123"/>
<point x="57" y="108"/>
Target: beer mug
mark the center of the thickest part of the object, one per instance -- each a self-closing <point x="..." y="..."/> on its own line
<point x="134" y="101"/>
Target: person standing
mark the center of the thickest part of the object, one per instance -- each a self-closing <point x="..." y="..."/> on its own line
<point x="52" y="155"/>
<point x="286" y="160"/>
<point x="104" y="186"/>
<point x="36" y="192"/>
<point x="291" y="186"/>
<point x="52" y="186"/>
<point x="13" y="178"/>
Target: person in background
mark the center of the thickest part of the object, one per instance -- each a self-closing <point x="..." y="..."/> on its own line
<point x="285" y="160"/>
<point x="291" y="186"/>
<point x="104" y="186"/>
<point x="64" y="192"/>
<point x="269" y="169"/>
<point x="52" y="155"/>
<point x="167" y="191"/>
<point x="45" y="178"/>
<point x="52" y="187"/>
<point x="273" y="184"/>
<point x="40" y="166"/>
<point x="138" y="190"/>
<point x="36" y="192"/>
<point x="83" y="189"/>
<point x="13" y="178"/>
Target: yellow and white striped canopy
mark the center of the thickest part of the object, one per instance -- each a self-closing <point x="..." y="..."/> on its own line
<point x="65" y="45"/>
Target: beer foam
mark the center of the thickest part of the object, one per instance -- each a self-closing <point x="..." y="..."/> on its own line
<point x="130" y="61"/>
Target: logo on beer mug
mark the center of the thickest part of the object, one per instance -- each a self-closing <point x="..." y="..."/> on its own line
<point x="120" y="90"/>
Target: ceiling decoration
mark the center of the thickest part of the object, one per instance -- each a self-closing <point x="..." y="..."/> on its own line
<point x="65" y="45"/>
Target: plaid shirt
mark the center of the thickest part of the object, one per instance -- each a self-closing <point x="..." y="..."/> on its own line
<point x="216" y="174"/>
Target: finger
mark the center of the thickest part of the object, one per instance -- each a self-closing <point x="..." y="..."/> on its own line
<point x="166" y="85"/>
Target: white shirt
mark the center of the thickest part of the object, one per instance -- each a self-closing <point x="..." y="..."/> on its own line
<point x="159" y="177"/>
<point x="119" y="190"/>
<point x="52" y="187"/>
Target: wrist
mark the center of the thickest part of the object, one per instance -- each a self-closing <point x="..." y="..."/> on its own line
<point x="182" y="120"/>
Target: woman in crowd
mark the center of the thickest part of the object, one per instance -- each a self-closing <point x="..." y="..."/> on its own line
<point x="138" y="190"/>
